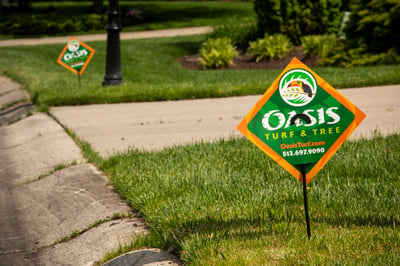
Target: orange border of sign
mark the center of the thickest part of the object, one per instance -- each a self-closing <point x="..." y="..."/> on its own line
<point x="92" y="51"/>
<point x="358" y="114"/>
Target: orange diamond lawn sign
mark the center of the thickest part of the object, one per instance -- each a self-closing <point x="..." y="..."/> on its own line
<point x="300" y="121"/>
<point x="75" y="56"/>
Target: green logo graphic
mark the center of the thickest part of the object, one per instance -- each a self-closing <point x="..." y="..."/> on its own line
<point x="77" y="55"/>
<point x="73" y="46"/>
<point x="297" y="87"/>
<point x="298" y="129"/>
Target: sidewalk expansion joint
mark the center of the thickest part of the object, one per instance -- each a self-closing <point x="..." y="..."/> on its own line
<point x="77" y="232"/>
<point x="88" y="153"/>
<point x="17" y="105"/>
<point x="7" y="92"/>
<point x="56" y="168"/>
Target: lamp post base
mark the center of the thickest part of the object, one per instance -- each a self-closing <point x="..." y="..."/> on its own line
<point x="112" y="81"/>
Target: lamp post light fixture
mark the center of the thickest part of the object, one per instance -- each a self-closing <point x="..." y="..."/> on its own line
<point x="113" y="74"/>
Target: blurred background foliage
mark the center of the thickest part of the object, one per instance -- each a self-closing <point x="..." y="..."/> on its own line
<point x="367" y="31"/>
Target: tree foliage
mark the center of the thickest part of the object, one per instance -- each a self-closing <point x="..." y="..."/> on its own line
<point x="374" y="25"/>
<point x="296" y="18"/>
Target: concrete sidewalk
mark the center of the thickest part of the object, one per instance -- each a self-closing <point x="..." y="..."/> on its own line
<point x="55" y="208"/>
<point x="103" y="36"/>
<point x="152" y="126"/>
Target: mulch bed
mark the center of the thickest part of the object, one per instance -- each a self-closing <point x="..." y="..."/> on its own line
<point x="245" y="61"/>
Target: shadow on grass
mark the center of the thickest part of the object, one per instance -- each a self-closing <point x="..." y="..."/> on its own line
<point x="348" y="221"/>
<point x="190" y="46"/>
<point x="250" y="228"/>
<point x="202" y="231"/>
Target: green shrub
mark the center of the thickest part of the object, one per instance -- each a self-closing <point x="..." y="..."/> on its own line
<point x="241" y="33"/>
<point x="388" y="58"/>
<point x="311" y="45"/>
<point x="338" y="57"/>
<point x="296" y="18"/>
<point x="217" y="52"/>
<point x="342" y="57"/>
<point x="319" y="45"/>
<point x="374" y="24"/>
<point x="270" y="47"/>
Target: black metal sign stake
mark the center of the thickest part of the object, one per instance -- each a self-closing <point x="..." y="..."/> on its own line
<point x="303" y="173"/>
<point x="79" y="78"/>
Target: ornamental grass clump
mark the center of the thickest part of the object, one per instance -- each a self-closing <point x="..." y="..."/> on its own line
<point x="217" y="52"/>
<point x="270" y="47"/>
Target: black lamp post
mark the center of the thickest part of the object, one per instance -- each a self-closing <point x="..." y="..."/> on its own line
<point x="113" y="74"/>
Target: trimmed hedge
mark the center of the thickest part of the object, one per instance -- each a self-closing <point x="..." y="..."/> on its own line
<point x="34" y="24"/>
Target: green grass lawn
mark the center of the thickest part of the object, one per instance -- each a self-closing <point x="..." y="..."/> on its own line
<point x="227" y="203"/>
<point x="152" y="72"/>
